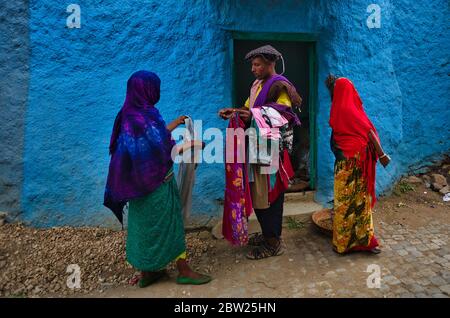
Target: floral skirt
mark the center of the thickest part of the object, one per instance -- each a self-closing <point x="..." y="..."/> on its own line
<point x="352" y="222"/>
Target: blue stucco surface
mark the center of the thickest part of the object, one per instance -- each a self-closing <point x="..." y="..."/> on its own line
<point x="78" y="78"/>
<point x="14" y="67"/>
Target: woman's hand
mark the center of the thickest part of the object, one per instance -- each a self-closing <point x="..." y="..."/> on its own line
<point x="384" y="160"/>
<point x="382" y="157"/>
<point x="180" y="120"/>
<point x="177" y="122"/>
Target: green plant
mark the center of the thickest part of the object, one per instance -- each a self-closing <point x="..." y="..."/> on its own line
<point x="294" y="224"/>
<point x="403" y="187"/>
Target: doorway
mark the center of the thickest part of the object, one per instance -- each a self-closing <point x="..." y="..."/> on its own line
<point x="298" y="51"/>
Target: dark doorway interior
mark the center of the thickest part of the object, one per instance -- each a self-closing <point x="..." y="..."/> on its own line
<point x="297" y="66"/>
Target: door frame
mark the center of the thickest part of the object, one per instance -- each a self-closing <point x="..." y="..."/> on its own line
<point x="311" y="40"/>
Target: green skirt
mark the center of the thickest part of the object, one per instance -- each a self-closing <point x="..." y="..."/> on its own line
<point x="155" y="228"/>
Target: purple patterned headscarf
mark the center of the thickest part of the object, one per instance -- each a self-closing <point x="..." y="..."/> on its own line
<point x="140" y="145"/>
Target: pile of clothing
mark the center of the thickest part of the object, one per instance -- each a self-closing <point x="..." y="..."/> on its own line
<point x="273" y="125"/>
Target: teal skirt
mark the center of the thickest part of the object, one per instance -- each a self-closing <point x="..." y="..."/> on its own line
<point x="155" y="228"/>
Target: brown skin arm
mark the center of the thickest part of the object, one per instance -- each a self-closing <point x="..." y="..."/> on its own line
<point x="244" y="113"/>
<point x="384" y="160"/>
<point x="177" y="122"/>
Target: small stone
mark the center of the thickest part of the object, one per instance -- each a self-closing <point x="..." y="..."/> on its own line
<point x="217" y="231"/>
<point x="415" y="288"/>
<point x="37" y="290"/>
<point x="436" y="186"/>
<point x="438" y="179"/>
<point x="204" y="235"/>
<point x="437" y="280"/>
<point x="426" y="178"/>
<point x="330" y="274"/>
<point x="413" y="180"/>
<point x="391" y="280"/>
<point x="445" y="289"/>
<point x="313" y="291"/>
<point x="445" y="190"/>
<point x="402" y="252"/>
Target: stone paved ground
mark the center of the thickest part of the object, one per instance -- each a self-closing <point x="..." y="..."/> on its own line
<point x="414" y="230"/>
<point x="413" y="227"/>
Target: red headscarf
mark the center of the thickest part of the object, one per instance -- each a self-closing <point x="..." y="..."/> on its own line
<point x="351" y="127"/>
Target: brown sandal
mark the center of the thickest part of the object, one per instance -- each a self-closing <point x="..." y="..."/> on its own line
<point x="256" y="239"/>
<point x="265" y="250"/>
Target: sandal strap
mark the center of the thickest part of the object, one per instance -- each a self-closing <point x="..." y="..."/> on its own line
<point x="256" y="239"/>
<point x="265" y="250"/>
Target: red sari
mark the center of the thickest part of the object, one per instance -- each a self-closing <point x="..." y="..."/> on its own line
<point x="354" y="184"/>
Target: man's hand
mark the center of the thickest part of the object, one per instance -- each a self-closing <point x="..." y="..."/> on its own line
<point x="245" y="114"/>
<point x="226" y="113"/>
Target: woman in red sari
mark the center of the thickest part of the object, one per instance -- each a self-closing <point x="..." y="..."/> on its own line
<point x="356" y="146"/>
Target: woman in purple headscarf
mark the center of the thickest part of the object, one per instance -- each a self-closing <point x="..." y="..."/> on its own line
<point x="141" y="173"/>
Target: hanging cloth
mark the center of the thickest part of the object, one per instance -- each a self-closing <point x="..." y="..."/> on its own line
<point x="186" y="171"/>
<point x="238" y="202"/>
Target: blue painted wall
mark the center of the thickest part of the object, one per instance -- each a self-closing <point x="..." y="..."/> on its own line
<point x="14" y="67"/>
<point x="78" y="78"/>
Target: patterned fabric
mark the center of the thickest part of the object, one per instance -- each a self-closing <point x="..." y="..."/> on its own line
<point x="155" y="228"/>
<point x="140" y="145"/>
<point x="352" y="224"/>
<point x="351" y="128"/>
<point x="238" y="204"/>
<point x="287" y="139"/>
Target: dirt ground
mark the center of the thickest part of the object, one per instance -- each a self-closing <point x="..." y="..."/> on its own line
<point x="413" y="225"/>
